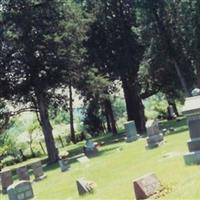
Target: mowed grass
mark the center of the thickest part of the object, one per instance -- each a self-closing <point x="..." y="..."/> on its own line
<point x="118" y="164"/>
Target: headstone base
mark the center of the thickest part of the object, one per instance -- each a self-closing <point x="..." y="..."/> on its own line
<point x="194" y="144"/>
<point x="192" y="158"/>
<point x="40" y="178"/>
<point x="155" y="141"/>
<point x="132" y="139"/>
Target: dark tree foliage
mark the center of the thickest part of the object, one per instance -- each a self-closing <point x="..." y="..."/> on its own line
<point x="39" y="37"/>
<point x="114" y="48"/>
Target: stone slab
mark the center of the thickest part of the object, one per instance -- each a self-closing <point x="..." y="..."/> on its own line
<point x="191" y="106"/>
<point x="131" y="131"/>
<point x="38" y="171"/>
<point x="152" y="127"/>
<point x="194" y="128"/>
<point x="21" y="190"/>
<point x="6" y="179"/>
<point x="22" y="173"/>
<point x="84" y="186"/>
<point x="146" y="186"/>
<point x="155" y="139"/>
<point x="192" y="158"/>
<point x="64" y="164"/>
<point x="194" y="144"/>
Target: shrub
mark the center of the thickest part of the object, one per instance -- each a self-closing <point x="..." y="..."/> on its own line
<point x="10" y="160"/>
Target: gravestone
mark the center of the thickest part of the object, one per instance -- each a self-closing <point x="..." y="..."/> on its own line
<point x="155" y="137"/>
<point x="64" y="164"/>
<point x="23" y="173"/>
<point x="146" y="186"/>
<point x="38" y="171"/>
<point x="20" y="191"/>
<point x="84" y="186"/>
<point x="191" y="110"/>
<point x="131" y="131"/>
<point x="6" y="179"/>
<point x="90" y="148"/>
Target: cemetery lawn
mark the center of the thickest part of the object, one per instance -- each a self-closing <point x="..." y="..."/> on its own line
<point x="117" y="164"/>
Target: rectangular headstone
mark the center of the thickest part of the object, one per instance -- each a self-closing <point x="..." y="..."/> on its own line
<point x="6" y="179"/>
<point x="64" y="164"/>
<point x="155" y="138"/>
<point x="131" y="131"/>
<point x="192" y="111"/>
<point x="146" y="186"/>
<point x="20" y="191"/>
<point x="194" y="127"/>
<point x="38" y="170"/>
<point x="152" y="127"/>
<point x="23" y="173"/>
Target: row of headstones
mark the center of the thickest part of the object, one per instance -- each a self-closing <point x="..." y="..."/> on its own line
<point x="21" y="190"/>
<point x="154" y="135"/>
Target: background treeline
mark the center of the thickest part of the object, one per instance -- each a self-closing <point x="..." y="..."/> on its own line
<point x="96" y="47"/>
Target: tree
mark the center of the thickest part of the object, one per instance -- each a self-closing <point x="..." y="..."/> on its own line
<point x="166" y="38"/>
<point x="114" y="48"/>
<point x="35" y="32"/>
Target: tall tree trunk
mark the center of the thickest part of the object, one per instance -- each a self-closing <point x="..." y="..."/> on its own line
<point x="134" y="105"/>
<point x="198" y="74"/>
<point x="46" y="128"/>
<point x="109" y="110"/>
<point x="73" y="137"/>
<point x="107" y="121"/>
<point x="182" y="79"/>
<point x="172" y="102"/>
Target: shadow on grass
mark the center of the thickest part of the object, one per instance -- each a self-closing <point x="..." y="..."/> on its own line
<point x="180" y="126"/>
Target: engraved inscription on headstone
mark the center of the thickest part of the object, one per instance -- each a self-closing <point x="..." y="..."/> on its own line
<point x="146" y="186"/>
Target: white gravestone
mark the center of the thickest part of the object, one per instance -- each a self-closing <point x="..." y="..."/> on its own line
<point x="131" y="131"/>
<point x="155" y="137"/>
<point x="20" y="191"/>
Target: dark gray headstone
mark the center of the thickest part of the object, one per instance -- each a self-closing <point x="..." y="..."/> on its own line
<point x="83" y="186"/>
<point x="194" y="127"/>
